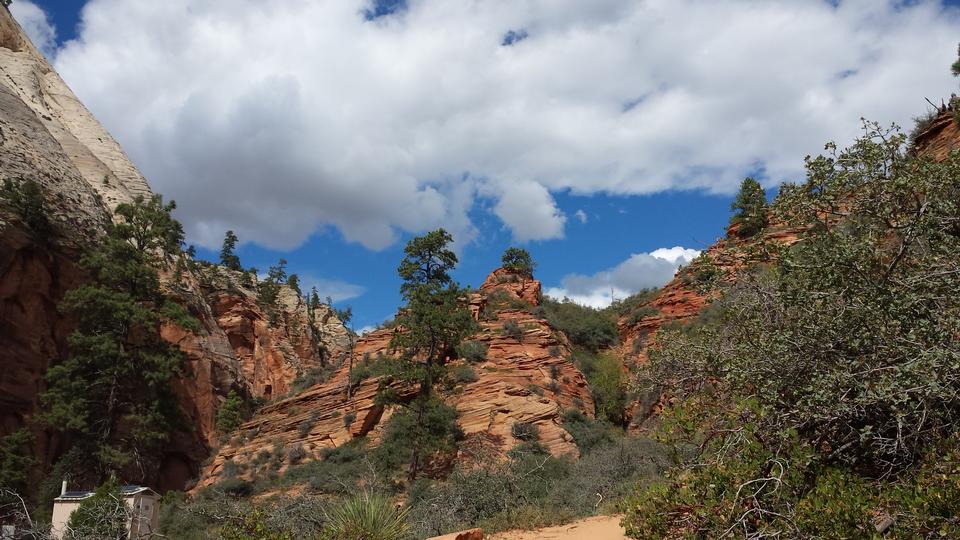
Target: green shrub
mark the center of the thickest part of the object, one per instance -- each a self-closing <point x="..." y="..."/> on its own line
<point x="26" y="199"/>
<point x="533" y="489"/>
<point x="231" y="413"/>
<point x="511" y="329"/>
<point x="622" y="308"/>
<point x="295" y="454"/>
<point x="415" y="434"/>
<point x="518" y="260"/>
<point x="348" y="419"/>
<point x="465" y="374"/>
<point x="235" y="487"/>
<point x="307" y="425"/>
<point x="368" y="517"/>
<point x="750" y="208"/>
<point x="103" y="515"/>
<point x="525" y="431"/>
<point x="587" y="327"/>
<point x="535" y="389"/>
<point x="641" y="313"/>
<point x="472" y="351"/>
<point x="587" y="433"/>
<point x="310" y="378"/>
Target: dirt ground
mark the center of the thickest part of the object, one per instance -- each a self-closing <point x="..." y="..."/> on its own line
<point x="595" y="528"/>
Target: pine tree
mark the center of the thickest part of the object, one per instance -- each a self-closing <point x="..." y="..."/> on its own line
<point x="434" y="321"/>
<point x="112" y="395"/>
<point x="955" y="67"/>
<point x="227" y="256"/>
<point x="518" y="260"/>
<point x="750" y="207"/>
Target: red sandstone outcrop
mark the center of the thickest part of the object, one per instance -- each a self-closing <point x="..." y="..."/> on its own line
<point x="46" y="135"/>
<point x="529" y="379"/>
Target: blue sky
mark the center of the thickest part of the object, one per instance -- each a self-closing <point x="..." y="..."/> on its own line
<point x="593" y="134"/>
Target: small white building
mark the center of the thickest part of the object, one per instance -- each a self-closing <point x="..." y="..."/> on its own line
<point x="143" y="510"/>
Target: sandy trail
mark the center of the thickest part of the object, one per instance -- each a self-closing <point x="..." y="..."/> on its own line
<point x="595" y="528"/>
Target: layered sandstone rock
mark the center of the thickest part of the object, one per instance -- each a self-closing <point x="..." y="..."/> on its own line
<point x="529" y="380"/>
<point x="46" y="135"/>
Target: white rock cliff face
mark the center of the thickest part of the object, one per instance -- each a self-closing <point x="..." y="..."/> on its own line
<point x="48" y="136"/>
<point x="95" y="154"/>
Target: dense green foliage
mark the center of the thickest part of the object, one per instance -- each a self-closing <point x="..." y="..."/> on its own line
<point x="367" y="516"/>
<point x="112" y="395"/>
<point x="824" y="392"/>
<point x="228" y="258"/>
<point x="518" y="260"/>
<point x="103" y="515"/>
<point x="750" y="207"/>
<point x="472" y="351"/>
<point x="534" y="489"/>
<point x="608" y="384"/>
<point x="16" y="460"/>
<point x="269" y="288"/>
<point x="231" y="413"/>
<point x="26" y="199"/>
<point x="587" y="327"/>
<point x="955" y="67"/>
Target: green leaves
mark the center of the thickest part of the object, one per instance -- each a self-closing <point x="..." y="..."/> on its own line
<point x="840" y="361"/>
<point x="750" y="206"/>
<point x="112" y="394"/>
<point x="518" y="260"/>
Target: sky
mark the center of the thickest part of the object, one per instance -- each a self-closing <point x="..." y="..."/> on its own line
<point x="606" y="137"/>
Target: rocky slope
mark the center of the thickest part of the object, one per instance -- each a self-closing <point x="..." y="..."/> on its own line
<point x="48" y="136"/>
<point x="529" y="379"/>
<point x="689" y="292"/>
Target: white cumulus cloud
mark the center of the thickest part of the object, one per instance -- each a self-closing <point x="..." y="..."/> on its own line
<point x="37" y="25"/>
<point x="281" y="119"/>
<point x="639" y="271"/>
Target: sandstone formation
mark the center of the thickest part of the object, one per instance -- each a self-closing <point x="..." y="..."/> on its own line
<point x="48" y="136"/>
<point x="529" y="379"/>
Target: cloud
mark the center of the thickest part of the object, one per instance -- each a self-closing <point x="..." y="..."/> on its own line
<point x="38" y="27"/>
<point x="639" y="271"/>
<point x="581" y="216"/>
<point x="529" y="210"/>
<point x="335" y="289"/>
<point x="281" y="119"/>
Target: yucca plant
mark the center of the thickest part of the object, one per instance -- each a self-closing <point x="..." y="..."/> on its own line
<point x="368" y="517"/>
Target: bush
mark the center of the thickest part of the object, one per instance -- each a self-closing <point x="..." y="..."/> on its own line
<point x="518" y="260"/>
<point x="295" y="454"/>
<point x="310" y="378"/>
<point x="533" y="489"/>
<point x="750" y="208"/>
<point x="587" y="327"/>
<point x="587" y="433"/>
<point x="26" y="199"/>
<point x="426" y="428"/>
<point x="235" y="487"/>
<point x="104" y="515"/>
<point x="472" y="351"/>
<point x="525" y="431"/>
<point x="231" y="413"/>
<point x="812" y="378"/>
<point x="348" y="419"/>
<point x="367" y="516"/>
<point x="642" y="313"/>
<point x="512" y="330"/>
<point x="307" y="425"/>
<point x="465" y="374"/>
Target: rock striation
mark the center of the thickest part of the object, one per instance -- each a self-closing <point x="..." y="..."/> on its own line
<point x="527" y="378"/>
<point x="48" y="136"/>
